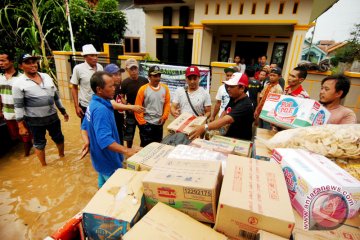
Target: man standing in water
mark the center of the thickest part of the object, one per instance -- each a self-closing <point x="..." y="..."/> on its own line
<point x="35" y="97"/>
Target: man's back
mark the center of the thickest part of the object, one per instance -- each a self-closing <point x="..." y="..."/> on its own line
<point x="130" y="87"/>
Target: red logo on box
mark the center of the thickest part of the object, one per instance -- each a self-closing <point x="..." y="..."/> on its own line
<point x="166" y="192"/>
<point x="253" y="220"/>
<point x="273" y="97"/>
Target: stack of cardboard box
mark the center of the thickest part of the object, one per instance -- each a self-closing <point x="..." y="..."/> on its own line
<point x="186" y="123"/>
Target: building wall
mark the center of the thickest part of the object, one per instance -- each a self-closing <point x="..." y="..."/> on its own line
<point x="302" y="16"/>
<point x="135" y="26"/>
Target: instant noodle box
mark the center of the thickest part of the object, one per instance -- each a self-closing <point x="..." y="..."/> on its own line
<point x="213" y="146"/>
<point x="253" y="197"/>
<point x="319" y="190"/>
<point x="292" y="112"/>
<point x="165" y="223"/>
<point x="116" y="207"/>
<point x="191" y="186"/>
<point x="241" y="147"/>
<point x="148" y="156"/>
<point x="186" y="123"/>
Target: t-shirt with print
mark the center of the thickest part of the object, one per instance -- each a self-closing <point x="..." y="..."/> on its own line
<point x="253" y="89"/>
<point x="222" y="96"/>
<point x="242" y="112"/>
<point x="130" y="88"/>
<point x="199" y="99"/>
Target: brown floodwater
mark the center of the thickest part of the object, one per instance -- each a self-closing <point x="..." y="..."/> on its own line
<point x="34" y="200"/>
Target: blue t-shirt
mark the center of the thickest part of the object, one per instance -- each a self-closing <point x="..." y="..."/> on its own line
<point x="99" y="122"/>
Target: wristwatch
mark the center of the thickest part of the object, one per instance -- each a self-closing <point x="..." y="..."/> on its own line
<point x="206" y="127"/>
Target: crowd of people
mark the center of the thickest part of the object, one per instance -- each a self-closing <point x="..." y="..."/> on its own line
<point x="110" y="108"/>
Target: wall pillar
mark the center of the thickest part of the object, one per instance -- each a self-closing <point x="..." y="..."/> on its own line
<point x="202" y="43"/>
<point x="63" y="73"/>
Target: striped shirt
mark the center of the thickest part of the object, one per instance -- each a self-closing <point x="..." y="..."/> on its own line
<point x="7" y="99"/>
<point x="34" y="102"/>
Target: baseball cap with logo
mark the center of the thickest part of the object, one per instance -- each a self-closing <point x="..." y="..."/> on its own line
<point x="131" y="62"/>
<point x="25" y="56"/>
<point x="113" y="68"/>
<point x="192" y="70"/>
<point x="238" y="79"/>
<point x="276" y="70"/>
<point x="154" y="70"/>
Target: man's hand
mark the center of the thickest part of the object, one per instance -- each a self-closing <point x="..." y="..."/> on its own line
<point x="256" y="115"/>
<point x="132" y="151"/>
<point x="137" y="108"/>
<point x="66" y="117"/>
<point x="211" y="119"/>
<point x="162" y="121"/>
<point x="176" y="113"/>
<point x="79" y="111"/>
<point x="23" y="130"/>
<point x="197" y="132"/>
<point x="84" y="150"/>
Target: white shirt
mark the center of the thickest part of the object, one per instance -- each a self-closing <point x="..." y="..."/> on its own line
<point x="222" y="96"/>
<point x="81" y="76"/>
<point x="199" y="99"/>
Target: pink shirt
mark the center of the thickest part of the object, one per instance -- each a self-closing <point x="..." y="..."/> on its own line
<point x="342" y="115"/>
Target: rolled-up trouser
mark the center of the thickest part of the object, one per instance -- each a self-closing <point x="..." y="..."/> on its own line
<point x="39" y="133"/>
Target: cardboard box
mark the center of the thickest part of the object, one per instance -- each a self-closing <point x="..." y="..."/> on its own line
<point x="263" y="235"/>
<point x="166" y="223"/>
<point x="241" y="147"/>
<point x="261" y="152"/>
<point x="191" y="186"/>
<point x="344" y="232"/>
<point x="148" y="156"/>
<point x="313" y="179"/>
<point x="186" y="123"/>
<point x="116" y="207"/>
<point x="213" y="146"/>
<point x="264" y="133"/>
<point x="253" y="197"/>
<point x="194" y="153"/>
<point x="292" y="112"/>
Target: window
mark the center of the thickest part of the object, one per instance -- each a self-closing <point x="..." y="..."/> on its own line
<point x="206" y="9"/>
<point x="279" y="53"/>
<point x="253" y="9"/>
<point x="217" y="10"/>
<point x="267" y="8"/>
<point x="229" y="9"/>
<point x="296" y="5"/>
<point x="281" y="8"/>
<point x="132" y="44"/>
<point x="241" y="8"/>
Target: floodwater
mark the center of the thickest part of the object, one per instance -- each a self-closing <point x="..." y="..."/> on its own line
<point x="34" y="200"/>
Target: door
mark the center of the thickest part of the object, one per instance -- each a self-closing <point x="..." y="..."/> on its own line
<point x="250" y="51"/>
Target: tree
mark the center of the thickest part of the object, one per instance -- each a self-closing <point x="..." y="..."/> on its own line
<point x="351" y="51"/>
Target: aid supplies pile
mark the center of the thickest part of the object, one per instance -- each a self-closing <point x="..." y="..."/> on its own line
<point x="293" y="112"/>
<point x="186" y="123"/>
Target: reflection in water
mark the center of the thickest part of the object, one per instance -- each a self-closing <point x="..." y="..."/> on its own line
<point x="36" y="200"/>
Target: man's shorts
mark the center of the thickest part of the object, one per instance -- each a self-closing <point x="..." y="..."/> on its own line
<point x="14" y="132"/>
<point x="130" y="127"/>
<point x="39" y="133"/>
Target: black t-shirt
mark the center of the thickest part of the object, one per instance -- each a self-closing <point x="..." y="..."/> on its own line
<point x="254" y="89"/>
<point x="242" y="112"/>
<point x="130" y="88"/>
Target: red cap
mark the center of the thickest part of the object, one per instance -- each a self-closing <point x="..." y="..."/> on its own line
<point x="238" y="79"/>
<point x="192" y="70"/>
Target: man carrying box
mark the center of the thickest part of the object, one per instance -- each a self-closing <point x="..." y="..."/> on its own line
<point x="239" y="111"/>
<point x="155" y="98"/>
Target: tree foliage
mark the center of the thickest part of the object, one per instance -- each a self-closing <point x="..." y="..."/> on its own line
<point x="351" y="51"/>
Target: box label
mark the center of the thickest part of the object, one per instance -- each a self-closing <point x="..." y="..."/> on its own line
<point x="198" y="194"/>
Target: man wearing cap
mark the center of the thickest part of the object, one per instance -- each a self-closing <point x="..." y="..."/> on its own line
<point x="155" y="97"/>
<point x="120" y="108"/>
<point x="7" y="108"/>
<point x="222" y="97"/>
<point x="129" y="89"/>
<point x="81" y="77"/>
<point x="192" y="99"/>
<point x="238" y="113"/>
<point x="281" y="80"/>
<point x="35" y="97"/>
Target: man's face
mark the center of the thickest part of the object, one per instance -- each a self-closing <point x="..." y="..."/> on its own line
<point x="234" y="91"/>
<point x="273" y="65"/>
<point x="29" y="66"/>
<point x="263" y="60"/>
<point x="328" y="92"/>
<point x="273" y="77"/>
<point x="133" y="72"/>
<point x="262" y="76"/>
<point x="91" y="59"/>
<point x="4" y="62"/>
<point x="155" y="80"/>
<point x="193" y="82"/>
<point x="237" y="59"/>
<point x="108" y="91"/>
<point x="228" y="75"/>
<point x="293" y="79"/>
<point x="117" y="78"/>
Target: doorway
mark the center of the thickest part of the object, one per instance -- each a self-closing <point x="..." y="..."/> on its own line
<point x="250" y="51"/>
